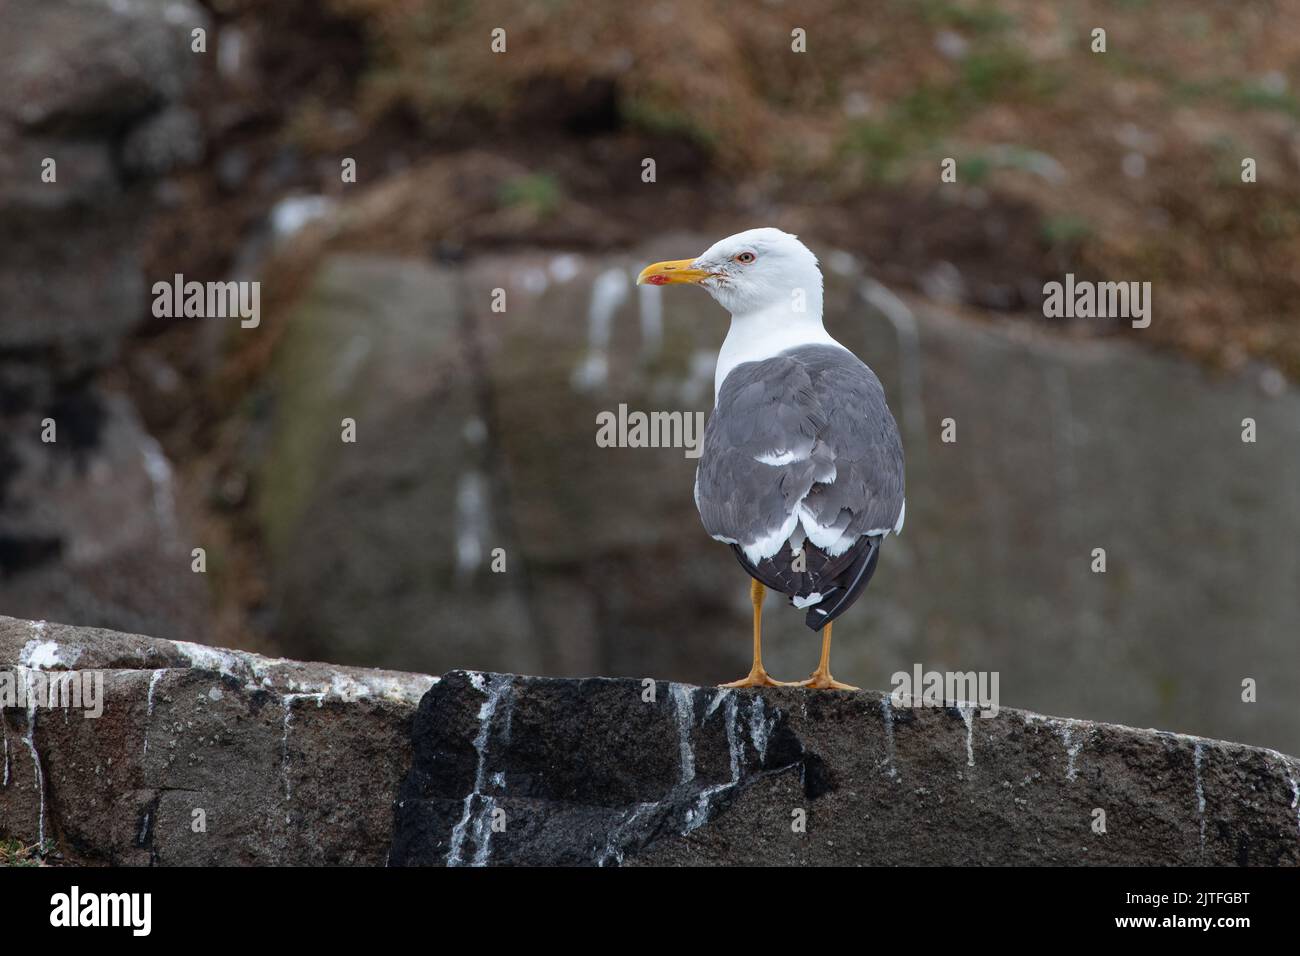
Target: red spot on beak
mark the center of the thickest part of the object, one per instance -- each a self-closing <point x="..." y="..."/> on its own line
<point x="657" y="280"/>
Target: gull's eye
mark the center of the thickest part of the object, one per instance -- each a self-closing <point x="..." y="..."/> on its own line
<point x="745" y="257"/>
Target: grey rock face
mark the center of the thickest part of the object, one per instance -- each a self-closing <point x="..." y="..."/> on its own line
<point x="204" y="756"/>
<point x="78" y="79"/>
<point x="77" y="64"/>
<point x="90" y="524"/>
<point x="1063" y="447"/>
<point x="167" y="140"/>
<point x="370" y="540"/>
<point x="89" y="529"/>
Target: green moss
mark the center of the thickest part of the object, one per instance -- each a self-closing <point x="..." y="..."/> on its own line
<point x="1256" y="96"/>
<point x="980" y="18"/>
<point x="541" y="193"/>
<point x="881" y="144"/>
<point x="1276" y="221"/>
<point x="975" y="169"/>
<point x="921" y="119"/>
<point x="652" y="115"/>
<point x="14" y="853"/>
<point x="1228" y="154"/>
<point x="1065" y="230"/>
<point x="302" y="449"/>
<point x="1002" y="73"/>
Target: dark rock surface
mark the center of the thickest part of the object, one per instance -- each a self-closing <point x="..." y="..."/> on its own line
<point x="593" y="772"/>
<point x="298" y="763"/>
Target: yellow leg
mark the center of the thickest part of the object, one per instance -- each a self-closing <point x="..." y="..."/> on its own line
<point x="821" y="678"/>
<point x="757" y="676"/>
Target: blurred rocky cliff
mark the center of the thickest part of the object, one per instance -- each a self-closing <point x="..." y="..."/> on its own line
<point x="477" y="431"/>
<point x="89" y="524"/>
<point x="518" y="180"/>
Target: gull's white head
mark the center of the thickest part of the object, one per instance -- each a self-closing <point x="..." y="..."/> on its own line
<point x="750" y="272"/>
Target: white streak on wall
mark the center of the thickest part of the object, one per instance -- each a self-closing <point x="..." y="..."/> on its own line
<point x="968" y="717"/>
<point x="684" y="707"/>
<point x="565" y="268"/>
<point x="697" y="816"/>
<point x="613" y="848"/>
<point x="455" y="852"/>
<point x="608" y="292"/>
<point x="472" y="522"/>
<point x="294" y="213"/>
<point x="1200" y="794"/>
<point x="159" y="471"/>
<point x="153" y="685"/>
<point x="887" y="714"/>
<point x="718" y="698"/>
<point x="760" y="727"/>
<point x="1072" y="749"/>
<point x="30" y="740"/>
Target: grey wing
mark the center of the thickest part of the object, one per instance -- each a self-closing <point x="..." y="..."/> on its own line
<point x="802" y="443"/>
<point x="867" y="495"/>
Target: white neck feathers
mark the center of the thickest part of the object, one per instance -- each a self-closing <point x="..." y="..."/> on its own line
<point x="765" y="333"/>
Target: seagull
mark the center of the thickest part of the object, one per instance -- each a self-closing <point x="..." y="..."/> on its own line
<point x="801" y="469"/>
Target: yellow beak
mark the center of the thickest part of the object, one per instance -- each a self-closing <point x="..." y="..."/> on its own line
<point x="673" y="271"/>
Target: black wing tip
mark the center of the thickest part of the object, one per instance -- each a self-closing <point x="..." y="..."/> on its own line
<point x="839" y="600"/>
<point x="816" y="618"/>
<point x="836" y="600"/>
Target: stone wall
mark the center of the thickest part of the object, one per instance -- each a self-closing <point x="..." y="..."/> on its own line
<point x="280" y="762"/>
<point x="206" y="756"/>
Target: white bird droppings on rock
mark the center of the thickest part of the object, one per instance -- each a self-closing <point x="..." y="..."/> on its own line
<point x="482" y="826"/>
<point x="1295" y="789"/>
<point x="608" y="293"/>
<point x="30" y="740"/>
<point x="684" y="707"/>
<point x="699" y="814"/>
<point x="1200" y="793"/>
<point x="968" y="718"/>
<point x="40" y="655"/>
<point x="1072" y="748"/>
<point x="887" y="714"/>
<point x="760" y="726"/>
<point x="149" y="701"/>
